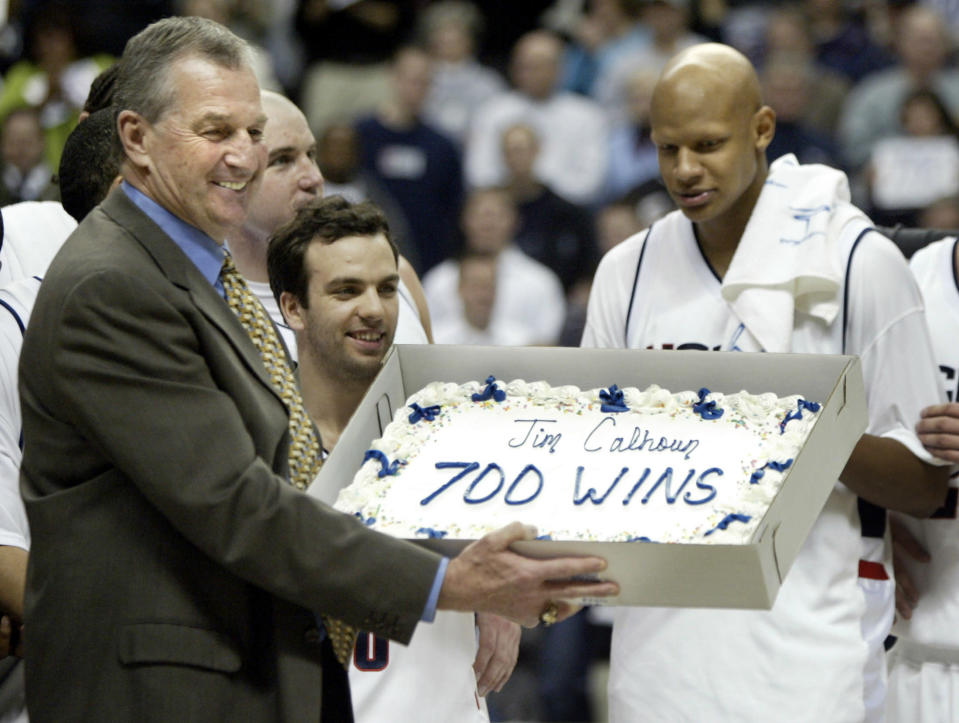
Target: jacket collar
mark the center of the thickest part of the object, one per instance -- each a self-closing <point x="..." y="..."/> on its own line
<point x="178" y="268"/>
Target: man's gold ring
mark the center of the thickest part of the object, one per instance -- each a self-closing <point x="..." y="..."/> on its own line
<point x="550" y="615"/>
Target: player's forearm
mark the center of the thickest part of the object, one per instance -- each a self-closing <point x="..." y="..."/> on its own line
<point x="884" y="472"/>
<point x="13" y="578"/>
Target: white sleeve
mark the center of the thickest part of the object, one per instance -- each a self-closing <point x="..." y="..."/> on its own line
<point x="610" y="295"/>
<point x="887" y="329"/>
<point x="13" y="518"/>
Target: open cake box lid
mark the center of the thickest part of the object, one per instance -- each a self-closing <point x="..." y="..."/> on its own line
<point x="688" y="575"/>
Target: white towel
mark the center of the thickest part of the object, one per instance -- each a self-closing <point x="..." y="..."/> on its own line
<point x="787" y="257"/>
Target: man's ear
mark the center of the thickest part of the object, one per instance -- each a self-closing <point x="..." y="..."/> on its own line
<point x="292" y="311"/>
<point x="764" y="127"/>
<point x="132" y="129"/>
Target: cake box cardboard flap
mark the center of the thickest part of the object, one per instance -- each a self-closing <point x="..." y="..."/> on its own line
<point x="687" y="575"/>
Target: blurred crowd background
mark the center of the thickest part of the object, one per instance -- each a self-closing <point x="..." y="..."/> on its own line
<point x="508" y="141"/>
<point x="509" y="144"/>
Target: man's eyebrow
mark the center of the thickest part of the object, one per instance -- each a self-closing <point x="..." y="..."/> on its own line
<point x="274" y="152"/>
<point x="214" y="117"/>
<point x="356" y="280"/>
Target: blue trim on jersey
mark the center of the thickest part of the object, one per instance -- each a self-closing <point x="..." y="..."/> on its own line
<point x="23" y="328"/>
<point x="15" y="315"/>
<point x="872" y="518"/>
<point x="705" y="258"/>
<point x="955" y="271"/>
<point x="639" y="264"/>
<point x="845" y="291"/>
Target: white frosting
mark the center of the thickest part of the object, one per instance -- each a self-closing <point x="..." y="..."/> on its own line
<point x="662" y="471"/>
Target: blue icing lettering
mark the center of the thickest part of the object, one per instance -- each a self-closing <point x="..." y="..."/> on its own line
<point x="641" y="440"/>
<point x="431" y="533"/>
<point x="591" y="492"/>
<point x="639" y="483"/>
<point x="596" y="429"/>
<point x="499" y="485"/>
<point x="539" y="487"/>
<point x="703" y="486"/>
<point x="667" y="478"/>
<point x="638" y="539"/>
<point x="540" y="439"/>
<point x="467" y="467"/>
<point x="544" y="537"/>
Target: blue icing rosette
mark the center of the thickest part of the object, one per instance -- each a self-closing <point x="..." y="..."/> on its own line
<point x="613" y="400"/>
<point x="427" y="413"/>
<point x="728" y="520"/>
<point x="777" y="466"/>
<point x="490" y="392"/>
<point x="800" y="406"/>
<point x="707" y="410"/>
<point x="386" y="467"/>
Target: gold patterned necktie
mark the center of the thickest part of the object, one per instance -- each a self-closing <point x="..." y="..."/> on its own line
<point x="305" y="458"/>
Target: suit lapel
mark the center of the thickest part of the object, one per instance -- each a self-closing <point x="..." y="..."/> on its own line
<point x="178" y="268"/>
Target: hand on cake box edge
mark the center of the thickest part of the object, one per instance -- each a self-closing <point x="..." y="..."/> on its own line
<point x="487" y="576"/>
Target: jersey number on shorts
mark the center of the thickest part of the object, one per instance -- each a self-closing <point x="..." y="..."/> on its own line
<point x="372" y="654"/>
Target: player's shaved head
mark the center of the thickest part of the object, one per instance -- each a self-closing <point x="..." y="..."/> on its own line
<point x="711" y="131"/>
<point x="709" y="73"/>
<point x="273" y="101"/>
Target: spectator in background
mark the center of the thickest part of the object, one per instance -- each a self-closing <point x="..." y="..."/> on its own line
<point x="632" y="154"/>
<point x="872" y="110"/>
<point x="460" y="85"/>
<point x="25" y="174"/>
<point x="941" y="214"/>
<point x="843" y="41"/>
<point x="52" y="78"/>
<point x="669" y="21"/>
<point x="573" y="129"/>
<point x="615" y="222"/>
<point x="551" y="230"/>
<point x="788" y="87"/>
<point x="912" y="169"/>
<point x="348" y="46"/>
<point x="788" y="38"/>
<point x="418" y="166"/>
<point x="607" y="30"/>
<point x="224" y="12"/>
<point x="528" y="294"/>
<point x="338" y="156"/>
<point x="476" y="288"/>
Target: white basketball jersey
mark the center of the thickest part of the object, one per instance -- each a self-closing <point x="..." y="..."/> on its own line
<point x="806" y="658"/>
<point x="935" y="621"/>
<point x="429" y="681"/>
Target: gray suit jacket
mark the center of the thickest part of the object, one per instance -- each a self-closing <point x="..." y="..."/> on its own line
<point x="173" y="571"/>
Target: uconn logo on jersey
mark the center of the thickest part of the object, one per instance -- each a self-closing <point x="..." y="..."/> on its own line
<point x="691" y="345"/>
<point x="950" y="382"/>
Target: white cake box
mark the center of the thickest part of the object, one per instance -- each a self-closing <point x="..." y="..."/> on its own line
<point x="687" y="575"/>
